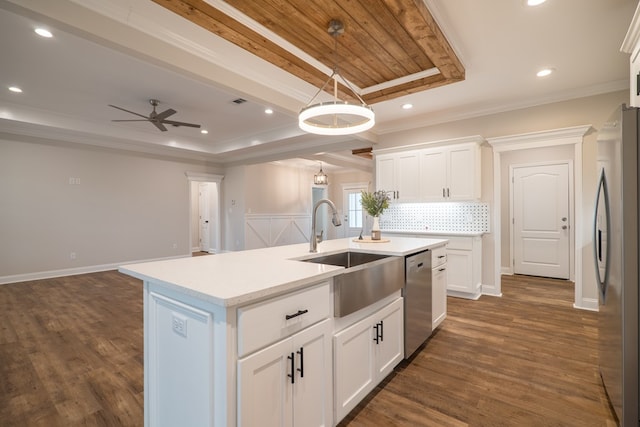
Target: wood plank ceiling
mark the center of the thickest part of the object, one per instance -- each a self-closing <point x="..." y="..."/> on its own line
<point x="389" y="48"/>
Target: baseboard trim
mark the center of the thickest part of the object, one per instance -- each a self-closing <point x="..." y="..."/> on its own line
<point x="41" y="275"/>
<point x="507" y="271"/>
<point x="589" y="304"/>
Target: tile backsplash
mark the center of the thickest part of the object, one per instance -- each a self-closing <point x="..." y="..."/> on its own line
<point x="462" y="217"/>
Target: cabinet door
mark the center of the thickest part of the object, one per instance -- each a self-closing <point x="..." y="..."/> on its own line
<point x="385" y="173"/>
<point x="354" y="370"/>
<point x="463" y="175"/>
<point x="389" y="350"/>
<point x="312" y="391"/>
<point x="408" y="176"/>
<point x="433" y="175"/>
<point x="439" y="301"/>
<point x="264" y="387"/>
<point x="459" y="270"/>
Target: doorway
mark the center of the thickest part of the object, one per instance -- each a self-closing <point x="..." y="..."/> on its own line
<point x="540" y="220"/>
<point x="354" y="220"/>
<point x="204" y="208"/>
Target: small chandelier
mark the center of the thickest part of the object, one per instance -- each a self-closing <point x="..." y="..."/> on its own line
<point x="320" y="178"/>
<point x="336" y="117"/>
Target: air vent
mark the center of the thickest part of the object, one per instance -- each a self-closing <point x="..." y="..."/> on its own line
<point x="239" y="101"/>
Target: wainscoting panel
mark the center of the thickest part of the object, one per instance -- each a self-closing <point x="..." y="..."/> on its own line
<point x="263" y="231"/>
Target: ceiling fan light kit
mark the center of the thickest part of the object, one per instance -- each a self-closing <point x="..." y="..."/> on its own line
<point x="336" y="117"/>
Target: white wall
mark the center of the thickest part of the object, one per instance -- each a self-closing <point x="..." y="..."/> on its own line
<point x="121" y="207"/>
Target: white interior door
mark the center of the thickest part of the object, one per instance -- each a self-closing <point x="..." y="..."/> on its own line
<point x="203" y="216"/>
<point x="354" y="217"/>
<point x="541" y="223"/>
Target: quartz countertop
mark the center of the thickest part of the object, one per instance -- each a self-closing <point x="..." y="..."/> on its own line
<point x="236" y="278"/>
<point x="436" y="233"/>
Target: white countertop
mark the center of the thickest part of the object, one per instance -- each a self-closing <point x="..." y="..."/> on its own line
<point x="436" y="233"/>
<point x="235" y="278"/>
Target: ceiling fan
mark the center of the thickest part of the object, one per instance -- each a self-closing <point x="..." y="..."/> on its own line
<point x="158" y="119"/>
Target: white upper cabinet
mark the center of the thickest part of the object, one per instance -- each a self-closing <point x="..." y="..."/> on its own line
<point x="447" y="172"/>
<point x="398" y="173"/>
<point x="631" y="45"/>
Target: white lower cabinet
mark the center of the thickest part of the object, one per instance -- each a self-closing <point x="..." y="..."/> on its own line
<point x="365" y="353"/>
<point x="289" y="382"/>
<point x="438" y="286"/>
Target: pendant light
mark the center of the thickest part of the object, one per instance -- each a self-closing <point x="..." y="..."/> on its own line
<point x="321" y="178"/>
<point x="336" y="117"/>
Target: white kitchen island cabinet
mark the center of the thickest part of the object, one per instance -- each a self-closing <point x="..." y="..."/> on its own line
<point x="246" y="338"/>
<point x="365" y="353"/>
<point x="288" y="383"/>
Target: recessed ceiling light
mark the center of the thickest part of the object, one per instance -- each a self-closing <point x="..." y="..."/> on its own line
<point x="43" y="32"/>
<point x="15" y="89"/>
<point x="535" y="2"/>
<point x="268" y="111"/>
<point x="407" y="106"/>
<point x="544" y="72"/>
<point x="204" y="131"/>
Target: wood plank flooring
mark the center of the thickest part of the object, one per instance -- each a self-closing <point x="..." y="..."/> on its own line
<point x="71" y="354"/>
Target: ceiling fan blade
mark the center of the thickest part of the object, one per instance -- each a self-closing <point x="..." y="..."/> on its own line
<point x="165" y="114"/>
<point x="120" y="108"/>
<point x="159" y="125"/>
<point x="133" y="120"/>
<point x="174" y="123"/>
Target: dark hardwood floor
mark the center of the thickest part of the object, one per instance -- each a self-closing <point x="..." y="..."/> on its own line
<point x="71" y="354"/>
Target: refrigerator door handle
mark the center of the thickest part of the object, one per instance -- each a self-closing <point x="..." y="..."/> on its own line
<point x="600" y="251"/>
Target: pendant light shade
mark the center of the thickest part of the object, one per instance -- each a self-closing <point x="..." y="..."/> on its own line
<point x="320" y="178"/>
<point x="336" y="117"/>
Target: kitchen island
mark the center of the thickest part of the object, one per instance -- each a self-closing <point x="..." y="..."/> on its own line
<point x="247" y="338"/>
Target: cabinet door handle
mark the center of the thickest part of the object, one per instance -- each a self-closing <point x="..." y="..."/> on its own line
<point x="398" y="194"/>
<point x="381" y="330"/>
<point x="299" y="313"/>
<point x="441" y="269"/>
<point x="377" y="337"/>
<point x="293" y="368"/>
<point x="638" y="84"/>
<point x="448" y="195"/>
<point x="441" y="256"/>
<point x="301" y="368"/>
<point x="443" y="193"/>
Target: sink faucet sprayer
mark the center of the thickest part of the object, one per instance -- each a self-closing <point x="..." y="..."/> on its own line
<point x="335" y="219"/>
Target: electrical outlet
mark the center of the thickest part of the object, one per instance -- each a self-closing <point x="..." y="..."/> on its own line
<point x="179" y="324"/>
<point x="72" y="255"/>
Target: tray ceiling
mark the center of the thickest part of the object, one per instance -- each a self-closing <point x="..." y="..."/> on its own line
<point x="389" y="48"/>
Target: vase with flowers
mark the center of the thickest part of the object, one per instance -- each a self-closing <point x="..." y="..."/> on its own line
<point x="374" y="204"/>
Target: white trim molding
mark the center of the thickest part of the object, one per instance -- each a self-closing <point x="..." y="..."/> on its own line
<point x="549" y="138"/>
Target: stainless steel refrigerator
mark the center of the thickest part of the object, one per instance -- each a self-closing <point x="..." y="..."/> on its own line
<point x="616" y="256"/>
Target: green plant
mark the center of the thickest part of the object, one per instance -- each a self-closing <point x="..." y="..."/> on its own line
<point x="375" y="203"/>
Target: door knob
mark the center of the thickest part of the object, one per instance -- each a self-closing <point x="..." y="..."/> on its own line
<point x="564" y="218"/>
<point x="564" y="227"/>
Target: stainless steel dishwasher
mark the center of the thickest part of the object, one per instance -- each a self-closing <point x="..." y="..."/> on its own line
<point x="417" y="301"/>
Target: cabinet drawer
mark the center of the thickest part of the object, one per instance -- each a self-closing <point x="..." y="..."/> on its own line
<point x="266" y="322"/>
<point x="438" y="256"/>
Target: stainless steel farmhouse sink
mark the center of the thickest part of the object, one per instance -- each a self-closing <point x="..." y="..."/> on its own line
<point x="367" y="278"/>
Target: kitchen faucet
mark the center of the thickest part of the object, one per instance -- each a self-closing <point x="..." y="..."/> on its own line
<point x="335" y="219"/>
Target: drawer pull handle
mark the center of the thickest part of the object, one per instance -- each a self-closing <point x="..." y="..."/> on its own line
<point x="377" y="337"/>
<point x="441" y="256"/>
<point x="441" y="269"/>
<point x="301" y="368"/>
<point x="381" y="330"/>
<point x="299" y="313"/>
<point x="420" y="265"/>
